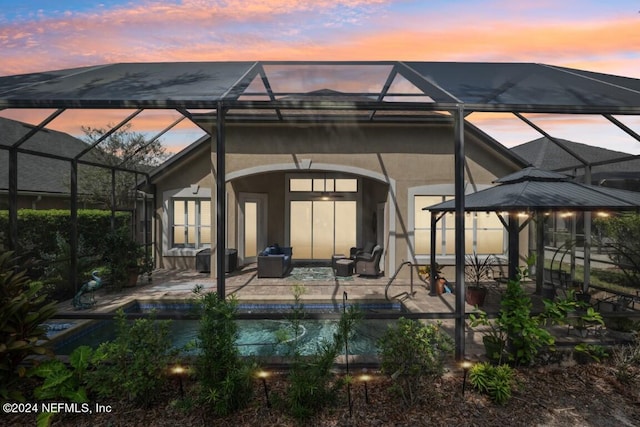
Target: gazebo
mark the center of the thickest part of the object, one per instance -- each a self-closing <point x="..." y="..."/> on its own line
<point x="538" y="192"/>
<point x="212" y="94"/>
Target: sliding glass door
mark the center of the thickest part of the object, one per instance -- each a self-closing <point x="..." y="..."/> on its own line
<point x="320" y="228"/>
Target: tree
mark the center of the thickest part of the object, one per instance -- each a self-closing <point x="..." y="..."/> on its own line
<point x="123" y="149"/>
<point x="621" y="234"/>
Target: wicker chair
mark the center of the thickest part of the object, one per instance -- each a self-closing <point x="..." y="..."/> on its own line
<point x="368" y="264"/>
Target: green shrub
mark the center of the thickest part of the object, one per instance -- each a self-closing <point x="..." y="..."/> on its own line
<point x="312" y="384"/>
<point x="62" y="382"/>
<point x="225" y="379"/>
<point x="23" y="309"/>
<point x="516" y="331"/>
<point x="622" y="233"/>
<point x="134" y="364"/>
<point x="37" y="229"/>
<point x="590" y="352"/>
<point x="412" y="352"/>
<point x="57" y="267"/>
<point x="495" y="381"/>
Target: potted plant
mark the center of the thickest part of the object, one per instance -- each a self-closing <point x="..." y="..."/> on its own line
<point x="494" y="336"/>
<point x="425" y="274"/>
<point x="515" y="335"/>
<point x="478" y="273"/>
<point x="585" y="319"/>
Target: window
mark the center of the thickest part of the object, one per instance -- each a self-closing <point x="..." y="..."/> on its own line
<point x="484" y="233"/>
<point x="322" y="185"/>
<point x="322" y="214"/>
<point x="191" y="226"/>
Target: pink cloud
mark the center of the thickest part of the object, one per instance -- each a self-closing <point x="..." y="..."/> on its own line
<point x="200" y="30"/>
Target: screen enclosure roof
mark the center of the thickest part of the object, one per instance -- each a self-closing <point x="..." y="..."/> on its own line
<point x="373" y="89"/>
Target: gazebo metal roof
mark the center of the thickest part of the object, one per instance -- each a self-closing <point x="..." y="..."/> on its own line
<point x="532" y="189"/>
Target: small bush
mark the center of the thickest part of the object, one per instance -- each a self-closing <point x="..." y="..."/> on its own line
<point x="134" y="364"/>
<point x="312" y="385"/>
<point x="495" y="381"/>
<point x="590" y="352"/>
<point x="225" y="379"/>
<point x="626" y="362"/>
<point x="411" y="352"/>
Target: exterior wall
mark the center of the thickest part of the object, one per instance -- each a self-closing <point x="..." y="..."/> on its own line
<point x="398" y="157"/>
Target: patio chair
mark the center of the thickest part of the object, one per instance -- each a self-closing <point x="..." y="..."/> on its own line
<point x="367" y="249"/>
<point x="368" y="264"/>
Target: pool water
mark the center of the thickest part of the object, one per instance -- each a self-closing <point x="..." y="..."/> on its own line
<point x="256" y="337"/>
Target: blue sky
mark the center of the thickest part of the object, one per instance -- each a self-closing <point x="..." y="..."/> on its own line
<point x="41" y="35"/>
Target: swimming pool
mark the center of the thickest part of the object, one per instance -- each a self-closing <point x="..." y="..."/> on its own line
<point x="256" y="337"/>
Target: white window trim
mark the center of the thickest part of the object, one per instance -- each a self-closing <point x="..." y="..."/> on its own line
<point x="192" y="192"/>
<point x="433" y="190"/>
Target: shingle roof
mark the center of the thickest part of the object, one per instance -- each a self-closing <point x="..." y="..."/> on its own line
<point x="543" y="153"/>
<point x="35" y="173"/>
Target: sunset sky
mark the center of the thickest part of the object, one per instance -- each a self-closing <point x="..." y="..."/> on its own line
<point x="42" y="35"/>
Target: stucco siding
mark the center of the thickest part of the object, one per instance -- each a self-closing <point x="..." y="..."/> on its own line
<point x="406" y="155"/>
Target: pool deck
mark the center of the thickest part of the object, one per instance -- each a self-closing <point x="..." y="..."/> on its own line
<point x="247" y="287"/>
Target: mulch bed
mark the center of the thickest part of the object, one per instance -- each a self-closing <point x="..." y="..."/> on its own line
<point x="577" y="395"/>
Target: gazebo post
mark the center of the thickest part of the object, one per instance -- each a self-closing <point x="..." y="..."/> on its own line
<point x="514" y="243"/>
<point x="540" y="220"/>
<point x="586" y="261"/>
<point x="432" y="255"/>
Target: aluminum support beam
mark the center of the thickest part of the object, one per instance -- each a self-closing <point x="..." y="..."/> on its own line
<point x="459" y="162"/>
<point x="73" y="227"/>
<point x="13" y="199"/>
<point x="221" y="207"/>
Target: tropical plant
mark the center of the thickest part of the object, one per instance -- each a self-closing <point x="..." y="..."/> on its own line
<point x="521" y="334"/>
<point x="478" y="270"/>
<point x="495" y="381"/>
<point x="312" y="385"/>
<point x="134" y="364"/>
<point x="225" y="378"/>
<point x="412" y="352"/>
<point x="23" y="310"/>
<point x="62" y="382"/>
<point x="585" y="319"/>
<point x="592" y="352"/>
